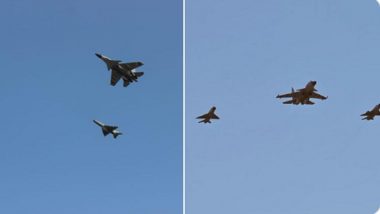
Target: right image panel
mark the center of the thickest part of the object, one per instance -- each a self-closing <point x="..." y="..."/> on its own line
<point x="282" y="99"/>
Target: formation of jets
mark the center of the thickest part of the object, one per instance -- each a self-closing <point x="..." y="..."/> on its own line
<point x="119" y="70"/>
<point x="300" y="96"/>
<point x="127" y="72"/>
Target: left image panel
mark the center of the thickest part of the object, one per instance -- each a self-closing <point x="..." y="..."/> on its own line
<point x="91" y="100"/>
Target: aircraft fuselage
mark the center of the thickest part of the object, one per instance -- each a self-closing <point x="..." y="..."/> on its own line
<point x="114" y="65"/>
<point x="212" y="110"/>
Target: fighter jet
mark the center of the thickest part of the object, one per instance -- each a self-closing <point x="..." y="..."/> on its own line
<point x="208" y="116"/>
<point x="302" y="96"/>
<point x="369" y="115"/>
<point x="107" y="129"/>
<point x="125" y="71"/>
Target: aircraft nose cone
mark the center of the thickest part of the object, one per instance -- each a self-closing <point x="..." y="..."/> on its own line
<point x="314" y="82"/>
<point x="98" y="55"/>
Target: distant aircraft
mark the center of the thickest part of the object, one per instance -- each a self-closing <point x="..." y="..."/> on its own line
<point x="208" y="116"/>
<point x="107" y="129"/>
<point x="119" y="70"/>
<point x="302" y="96"/>
<point x="369" y="115"/>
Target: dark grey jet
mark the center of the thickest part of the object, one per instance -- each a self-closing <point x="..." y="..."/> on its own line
<point x="369" y="115"/>
<point x="208" y="116"/>
<point x="107" y="129"/>
<point x="302" y="96"/>
<point x="125" y="71"/>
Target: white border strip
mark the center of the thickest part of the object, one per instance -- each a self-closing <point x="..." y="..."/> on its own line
<point x="183" y="106"/>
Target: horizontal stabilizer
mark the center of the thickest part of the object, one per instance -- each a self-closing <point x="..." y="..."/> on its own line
<point x="116" y="134"/>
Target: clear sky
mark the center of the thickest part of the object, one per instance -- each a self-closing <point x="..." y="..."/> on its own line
<point x="265" y="157"/>
<point x="53" y="158"/>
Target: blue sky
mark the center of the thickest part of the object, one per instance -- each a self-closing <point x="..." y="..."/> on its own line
<point x="53" y="158"/>
<point x="266" y="157"/>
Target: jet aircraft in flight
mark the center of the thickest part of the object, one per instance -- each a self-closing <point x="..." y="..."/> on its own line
<point x="302" y="96"/>
<point x="107" y="129"/>
<point x="369" y="115"/>
<point x="119" y="70"/>
<point x="208" y="116"/>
